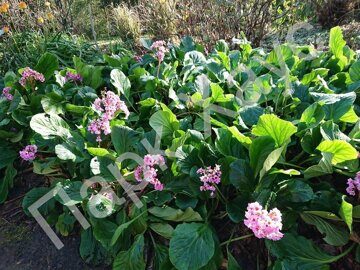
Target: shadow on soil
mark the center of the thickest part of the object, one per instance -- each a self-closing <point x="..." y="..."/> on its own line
<point x="24" y="245"/>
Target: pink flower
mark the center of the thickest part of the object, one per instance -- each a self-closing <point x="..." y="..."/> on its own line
<point x="110" y="104"/>
<point x="6" y="93"/>
<point x="98" y="126"/>
<point x="138" y="173"/>
<point x="264" y="224"/>
<point x="28" y="153"/>
<point x="73" y="77"/>
<point x="353" y="185"/>
<point x="160" y="55"/>
<point x="210" y="178"/>
<point x="98" y="105"/>
<point x="29" y="75"/>
<point x="160" y="49"/>
<point x="158" y="44"/>
<point x="151" y="160"/>
<point x="107" y="107"/>
<point x="158" y="185"/>
<point x="148" y="173"/>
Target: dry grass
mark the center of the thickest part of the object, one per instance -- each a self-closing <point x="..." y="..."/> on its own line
<point x="127" y="23"/>
<point x="204" y="20"/>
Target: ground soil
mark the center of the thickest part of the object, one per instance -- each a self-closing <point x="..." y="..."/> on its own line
<point x="24" y="245"/>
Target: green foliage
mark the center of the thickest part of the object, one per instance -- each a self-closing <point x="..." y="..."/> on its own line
<point x="285" y="139"/>
<point x="189" y="239"/>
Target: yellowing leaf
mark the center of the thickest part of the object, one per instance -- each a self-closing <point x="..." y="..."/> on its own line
<point x="341" y="150"/>
<point x="272" y="126"/>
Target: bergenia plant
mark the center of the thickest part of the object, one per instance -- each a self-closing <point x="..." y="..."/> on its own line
<point x="238" y="159"/>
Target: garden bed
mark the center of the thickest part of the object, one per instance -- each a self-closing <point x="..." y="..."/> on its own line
<point x="185" y="159"/>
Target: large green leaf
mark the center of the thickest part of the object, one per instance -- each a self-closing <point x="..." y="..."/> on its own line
<point x="259" y="150"/>
<point x="7" y="156"/>
<point x="121" y="82"/>
<point x="91" y="251"/>
<point x="334" y="235"/>
<point x="281" y="55"/>
<point x="194" y="58"/>
<point x="341" y="151"/>
<point x="300" y="252"/>
<point x="33" y="196"/>
<point x="192" y="246"/>
<point x="236" y="208"/>
<point x="49" y="126"/>
<point x="346" y="213"/>
<point x="336" y="42"/>
<point x="313" y="75"/>
<point x="272" y="126"/>
<point x="132" y="259"/>
<point x="227" y="143"/>
<point x="163" y="229"/>
<point x="47" y="65"/>
<point x="271" y="160"/>
<point x="7" y="182"/>
<point x="164" y="121"/>
<point x="121" y="229"/>
<point x="100" y="152"/>
<point x="65" y="223"/>
<point x="51" y="105"/>
<point x="202" y="85"/>
<point x="335" y="105"/>
<point x="92" y="75"/>
<point x="161" y="260"/>
<point x="244" y="140"/>
<point x="72" y="189"/>
<point x="324" y="167"/>
<point x="313" y="115"/>
<point x="123" y="138"/>
<point x="103" y="230"/>
<point x="354" y="71"/>
<point x="172" y="214"/>
<point x="296" y="191"/>
<point x="140" y="215"/>
<point x="250" y="114"/>
<point x="187" y="158"/>
<point x="66" y="151"/>
<point x="241" y="175"/>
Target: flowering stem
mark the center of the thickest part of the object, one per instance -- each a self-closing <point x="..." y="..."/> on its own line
<point x="158" y="69"/>
<point x="236" y="239"/>
<point x="221" y="196"/>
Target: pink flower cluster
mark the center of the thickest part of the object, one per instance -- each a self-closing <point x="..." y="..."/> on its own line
<point x="110" y="104"/>
<point x="29" y="75"/>
<point x="160" y="49"/>
<point x="148" y="173"/>
<point x="99" y="125"/>
<point x="73" y="77"/>
<point x="6" y="93"/>
<point x="107" y="107"/>
<point x="353" y="185"/>
<point x="264" y="224"/>
<point x="210" y="177"/>
<point x="29" y="152"/>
